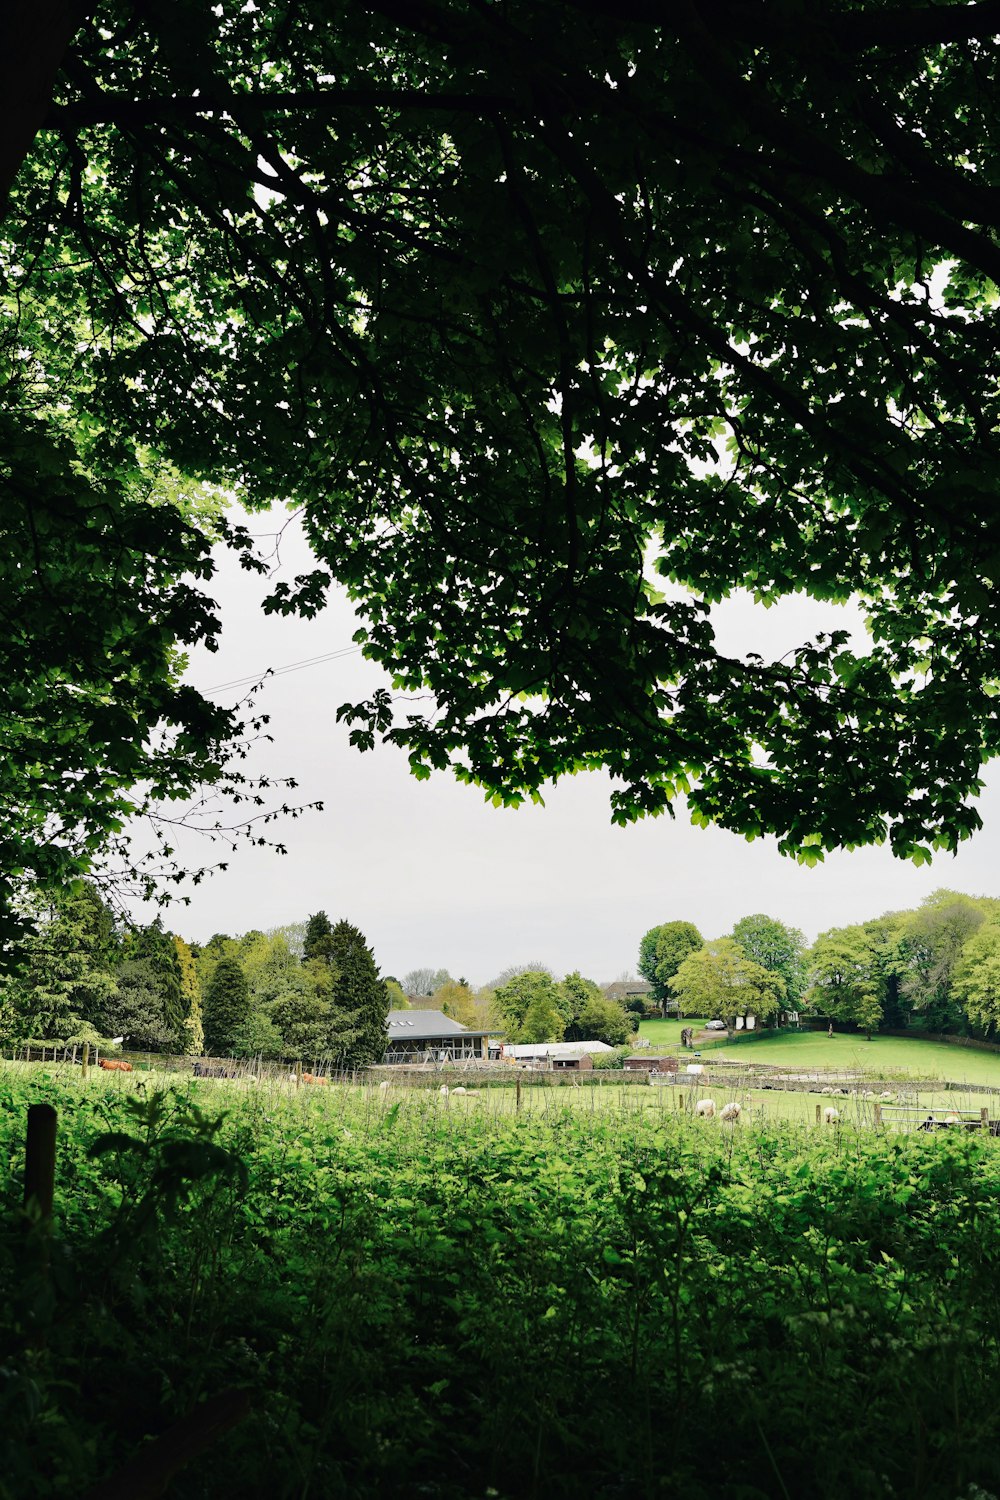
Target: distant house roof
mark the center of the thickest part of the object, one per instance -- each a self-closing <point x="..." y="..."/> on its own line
<point x="554" y="1049"/>
<point x="423" y="1025"/>
<point x="628" y="987"/>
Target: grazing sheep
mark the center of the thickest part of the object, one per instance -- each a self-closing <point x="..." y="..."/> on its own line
<point x="460" y="1090"/>
<point x="705" y="1108"/>
<point x="444" y="1090"/>
<point x="385" y="1084"/>
<point x="730" y="1111"/>
<point x="953" y="1119"/>
<point x="887" y="1098"/>
<point x="826" y="1091"/>
<point x="831" y="1116"/>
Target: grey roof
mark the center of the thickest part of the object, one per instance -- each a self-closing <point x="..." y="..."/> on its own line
<point x="423" y="1025"/>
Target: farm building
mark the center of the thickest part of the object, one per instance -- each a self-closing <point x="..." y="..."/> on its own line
<point x="648" y="1063"/>
<point x="576" y="1062"/>
<point x="429" y="1036"/>
<point x="548" y="1054"/>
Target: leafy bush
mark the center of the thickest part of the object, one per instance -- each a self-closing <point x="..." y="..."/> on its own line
<point x="615" y="1059"/>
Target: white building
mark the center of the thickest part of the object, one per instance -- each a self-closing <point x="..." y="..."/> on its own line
<point x="528" y="1052"/>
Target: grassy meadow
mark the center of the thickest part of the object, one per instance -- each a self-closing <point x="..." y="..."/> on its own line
<point x="442" y="1297"/>
<point x="883" y="1056"/>
<point x="757" y="1105"/>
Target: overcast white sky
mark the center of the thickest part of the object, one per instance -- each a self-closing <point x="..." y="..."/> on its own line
<point x="435" y="877"/>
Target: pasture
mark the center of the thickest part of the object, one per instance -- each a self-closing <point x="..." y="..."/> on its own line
<point x="437" y="1296"/>
<point x="882" y="1057"/>
<point x="759" y="1106"/>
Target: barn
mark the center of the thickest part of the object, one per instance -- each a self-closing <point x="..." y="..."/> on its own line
<point x="429" y="1036"/>
<point x="651" y="1063"/>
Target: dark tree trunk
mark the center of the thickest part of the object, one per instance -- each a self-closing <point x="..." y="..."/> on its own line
<point x="34" y="37"/>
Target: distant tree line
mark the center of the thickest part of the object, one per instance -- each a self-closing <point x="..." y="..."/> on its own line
<point x="936" y="966"/>
<point x="525" y="1003"/>
<point x="309" y="990"/>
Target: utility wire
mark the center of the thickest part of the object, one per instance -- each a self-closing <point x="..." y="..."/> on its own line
<point x="294" y="666"/>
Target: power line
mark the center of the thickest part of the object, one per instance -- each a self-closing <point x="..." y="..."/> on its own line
<point x="294" y="666"/>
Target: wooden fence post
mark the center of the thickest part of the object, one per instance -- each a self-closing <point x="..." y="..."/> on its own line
<point x="86" y="1060"/>
<point x="298" y="1073"/>
<point x="40" y="1159"/>
<point x="818" y="1108"/>
<point x="517" y="1094"/>
<point x="984" y="1118"/>
<point x="878" y="1117"/>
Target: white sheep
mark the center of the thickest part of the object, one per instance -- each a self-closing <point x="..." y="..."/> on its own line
<point x="887" y="1097"/>
<point x="460" y="1090"/>
<point x="953" y="1119"/>
<point x="730" y="1111"/>
<point x="831" y="1116"/>
<point x="384" y="1085"/>
<point x="705" y="1108"/>
<point x="444" y="1090"/>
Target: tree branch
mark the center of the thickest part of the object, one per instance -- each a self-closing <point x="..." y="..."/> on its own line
<point x="115" y="109"/>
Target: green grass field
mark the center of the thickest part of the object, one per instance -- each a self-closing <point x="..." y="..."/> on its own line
<point x="627" y="1106"/>
<point x="883" y="1056"/>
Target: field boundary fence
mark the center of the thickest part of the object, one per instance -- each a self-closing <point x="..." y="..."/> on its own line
<point x="918" y="1117"/>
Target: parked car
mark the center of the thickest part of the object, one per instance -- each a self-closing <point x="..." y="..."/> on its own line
<point x="715" y="1025"/>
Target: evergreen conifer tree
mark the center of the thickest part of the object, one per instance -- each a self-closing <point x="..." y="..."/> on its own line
<point x="227" y="1007"/>
<point x="64" y="978"/>
<point x="156" y="951"/>
<point x="360" y="994"/>
<point x="318" y="944"/>
<point x="193" y="1030"/>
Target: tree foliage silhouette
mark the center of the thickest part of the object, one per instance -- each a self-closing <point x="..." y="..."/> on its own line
<point x="559" y="322"/>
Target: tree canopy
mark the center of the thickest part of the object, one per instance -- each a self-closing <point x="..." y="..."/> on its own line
<point x="662" y="951"/>
<point x="720" y="980"/>
<point x="846" y="976"/>
<point x="933" y="941"/>
<point x="659" y="302"/>
<point x="360" y="996"/>
<point x="318" y="945"/>
<point x="776" y="947"/>
<point x="227" y="1006"/>
<point x="977" y="976"/>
